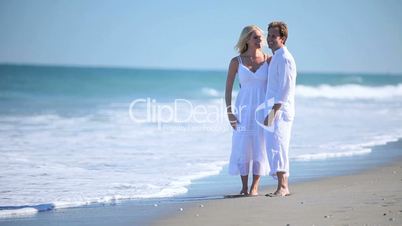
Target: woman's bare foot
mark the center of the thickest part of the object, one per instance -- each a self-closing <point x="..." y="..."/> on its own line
<point x="253" y="192"/>
<point x="254" y="185"/>
<point x="244" y="191"/>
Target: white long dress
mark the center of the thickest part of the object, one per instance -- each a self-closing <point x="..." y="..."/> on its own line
<point x="248" y="146"/>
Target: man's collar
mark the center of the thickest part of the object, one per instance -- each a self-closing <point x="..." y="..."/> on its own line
<point x="280" y="50"/>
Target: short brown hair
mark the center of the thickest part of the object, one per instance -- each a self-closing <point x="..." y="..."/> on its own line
<point x="282" y="27"/>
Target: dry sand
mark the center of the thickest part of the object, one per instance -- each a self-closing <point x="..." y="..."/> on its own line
<point x="372" y="197"/>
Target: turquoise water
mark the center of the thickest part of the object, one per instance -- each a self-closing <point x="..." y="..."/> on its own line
<point x="96" y="83"/>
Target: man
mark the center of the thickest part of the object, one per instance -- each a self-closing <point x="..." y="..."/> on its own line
<point x="280" y="91"/>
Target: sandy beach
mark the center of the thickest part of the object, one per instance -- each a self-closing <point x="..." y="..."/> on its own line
<point x="365" y="197"/>
<point x="372" y="197"/>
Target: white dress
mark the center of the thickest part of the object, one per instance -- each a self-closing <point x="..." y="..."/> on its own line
<point x="248" y="146"/>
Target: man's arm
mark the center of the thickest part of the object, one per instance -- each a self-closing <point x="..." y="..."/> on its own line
<point x="285" y="85"/>
<point x="285" y="82"/>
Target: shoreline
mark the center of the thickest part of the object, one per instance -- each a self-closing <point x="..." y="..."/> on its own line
<point x="372" y="196"/>
<point x="301" y="171"/>
<point x="209" y="190"/>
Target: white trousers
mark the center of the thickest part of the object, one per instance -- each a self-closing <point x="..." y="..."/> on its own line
<point x="277" y="145"/>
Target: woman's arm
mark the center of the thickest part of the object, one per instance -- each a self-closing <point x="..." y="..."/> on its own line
<point x="228" y="91"/>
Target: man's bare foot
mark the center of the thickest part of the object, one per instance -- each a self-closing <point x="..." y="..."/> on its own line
<point x="281" y="192"/>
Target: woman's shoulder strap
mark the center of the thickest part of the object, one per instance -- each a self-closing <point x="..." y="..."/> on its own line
<point x="239" y="59"/>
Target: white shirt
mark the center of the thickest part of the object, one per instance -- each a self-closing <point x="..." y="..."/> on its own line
<point x="281" y="83"/>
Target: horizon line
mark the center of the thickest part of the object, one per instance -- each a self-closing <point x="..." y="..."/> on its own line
<point x="82" y="66"/>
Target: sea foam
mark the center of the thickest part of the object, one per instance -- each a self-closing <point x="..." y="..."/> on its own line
<point x="350" y="92"/>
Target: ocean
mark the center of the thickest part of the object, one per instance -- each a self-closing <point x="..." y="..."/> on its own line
<point x="72" y="136"/>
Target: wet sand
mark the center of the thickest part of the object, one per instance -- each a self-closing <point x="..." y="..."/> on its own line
<point x="371" y="197"/>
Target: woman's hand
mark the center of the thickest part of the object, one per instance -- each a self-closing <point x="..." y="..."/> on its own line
<point x="233" y="120"/>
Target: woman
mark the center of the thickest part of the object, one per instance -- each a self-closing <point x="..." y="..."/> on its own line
<point x="248" y="146"/>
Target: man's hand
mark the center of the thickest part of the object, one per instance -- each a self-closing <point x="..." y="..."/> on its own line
<point x="272" y="114"/>
<point x="276" y="107"/>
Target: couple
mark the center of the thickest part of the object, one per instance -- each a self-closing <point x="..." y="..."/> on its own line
<point x="262" y="79"/>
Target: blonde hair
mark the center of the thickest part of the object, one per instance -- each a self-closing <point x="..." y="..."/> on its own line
<point x="245" y="34"/>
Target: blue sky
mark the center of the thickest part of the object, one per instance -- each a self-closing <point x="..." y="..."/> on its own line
<point x="324" y="36"/>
